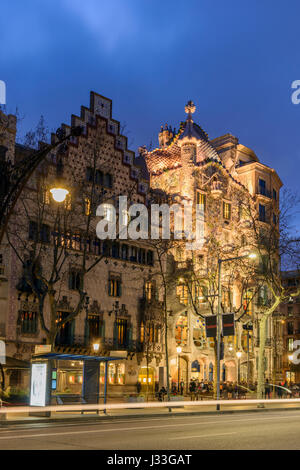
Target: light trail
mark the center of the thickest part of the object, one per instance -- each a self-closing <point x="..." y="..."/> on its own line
<point x="121" y="406"/>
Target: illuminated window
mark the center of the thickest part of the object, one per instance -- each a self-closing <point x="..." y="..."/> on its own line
<point x="29" y="322"/>
<point x="114" y="286"/>
<point x="201" y="200"/>
<point x="121" y="326"/>
<point x="226" y="210"/>
<point x="151" y="332"/>
<point x="87" y="206"/>
<point x="111" y="373"/>
<point x="247" y="302"/>
<point x="142" y="332"/>
<point x="181" y="330"/>
<point x="148" y="290"/>
<point x="182" y="293"/>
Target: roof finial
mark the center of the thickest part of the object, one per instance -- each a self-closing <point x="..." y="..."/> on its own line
<point x="190" y="108"/>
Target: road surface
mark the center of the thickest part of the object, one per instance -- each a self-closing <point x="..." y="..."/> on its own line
<point x="262" y="430"/>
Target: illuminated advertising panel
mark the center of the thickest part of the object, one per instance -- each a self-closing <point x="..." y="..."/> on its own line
<point x="38" y="385"/>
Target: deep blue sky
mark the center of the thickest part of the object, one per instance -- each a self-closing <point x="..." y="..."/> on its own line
<point x="236" y="60"/>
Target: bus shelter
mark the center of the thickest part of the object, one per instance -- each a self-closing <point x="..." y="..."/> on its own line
<point x="43" y="377"/>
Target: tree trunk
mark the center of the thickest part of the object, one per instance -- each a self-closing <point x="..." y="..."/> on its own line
<point x="166" y="350"/>
<point x="215" y="370"/>
<point x="261" y="358"/>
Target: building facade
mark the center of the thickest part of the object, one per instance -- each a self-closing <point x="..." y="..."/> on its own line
<point x="219" y="175"/>
<point x="97" y="168"/>
<point x="122" y="298"/>
<point x="290" y="311"/>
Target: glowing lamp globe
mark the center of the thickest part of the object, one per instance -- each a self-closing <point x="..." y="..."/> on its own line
<point x="59" y="194"/>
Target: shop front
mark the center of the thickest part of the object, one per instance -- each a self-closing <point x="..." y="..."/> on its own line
<point x="146" y="377"/>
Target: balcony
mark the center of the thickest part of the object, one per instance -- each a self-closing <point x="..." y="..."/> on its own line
<point x="262" y="191"/>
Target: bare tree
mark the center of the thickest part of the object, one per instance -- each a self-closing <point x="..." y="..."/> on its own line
<point x="60" y="235"/>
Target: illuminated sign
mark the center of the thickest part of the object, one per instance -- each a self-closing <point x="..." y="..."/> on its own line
<point x="42" y="349"/>
<point x="38" y="385"/>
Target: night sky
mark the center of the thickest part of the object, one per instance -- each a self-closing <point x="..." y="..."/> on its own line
<point x="235" y="59"/>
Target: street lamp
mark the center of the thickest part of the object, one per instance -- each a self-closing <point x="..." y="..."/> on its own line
<point x="59" y="191"/>
<point x="239" y="355"/>
<point x="59" y="194"/>
<point x="96" y="347"/>
<point x="178" y="349"/>
<point x="220" y="261"/>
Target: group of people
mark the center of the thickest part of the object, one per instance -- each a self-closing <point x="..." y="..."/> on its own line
<point x="198" y="389"/>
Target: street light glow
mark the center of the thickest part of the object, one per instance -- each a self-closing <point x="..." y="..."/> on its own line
<point x="239" y="354"/>
<point x="178" y="349"/>
<point x="59" y="194"/>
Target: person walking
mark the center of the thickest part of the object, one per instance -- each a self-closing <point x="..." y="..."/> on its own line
<point x="192" y="389"/>
<point x="267" y="389"/>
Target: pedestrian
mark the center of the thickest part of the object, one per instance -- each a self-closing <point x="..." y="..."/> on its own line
<point x="267" y="389"/>
<point x="181" y="387"/>
<point x="162" y="393"/>
<point x="192" y="389"/>
<point x="279" y="391"/>
<point x="225" y="391"/>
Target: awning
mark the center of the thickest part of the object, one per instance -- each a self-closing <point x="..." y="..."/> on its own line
<point x="13" y="363"/>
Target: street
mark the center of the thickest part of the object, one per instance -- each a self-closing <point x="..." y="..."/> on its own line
<point x="265" y="430"/>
